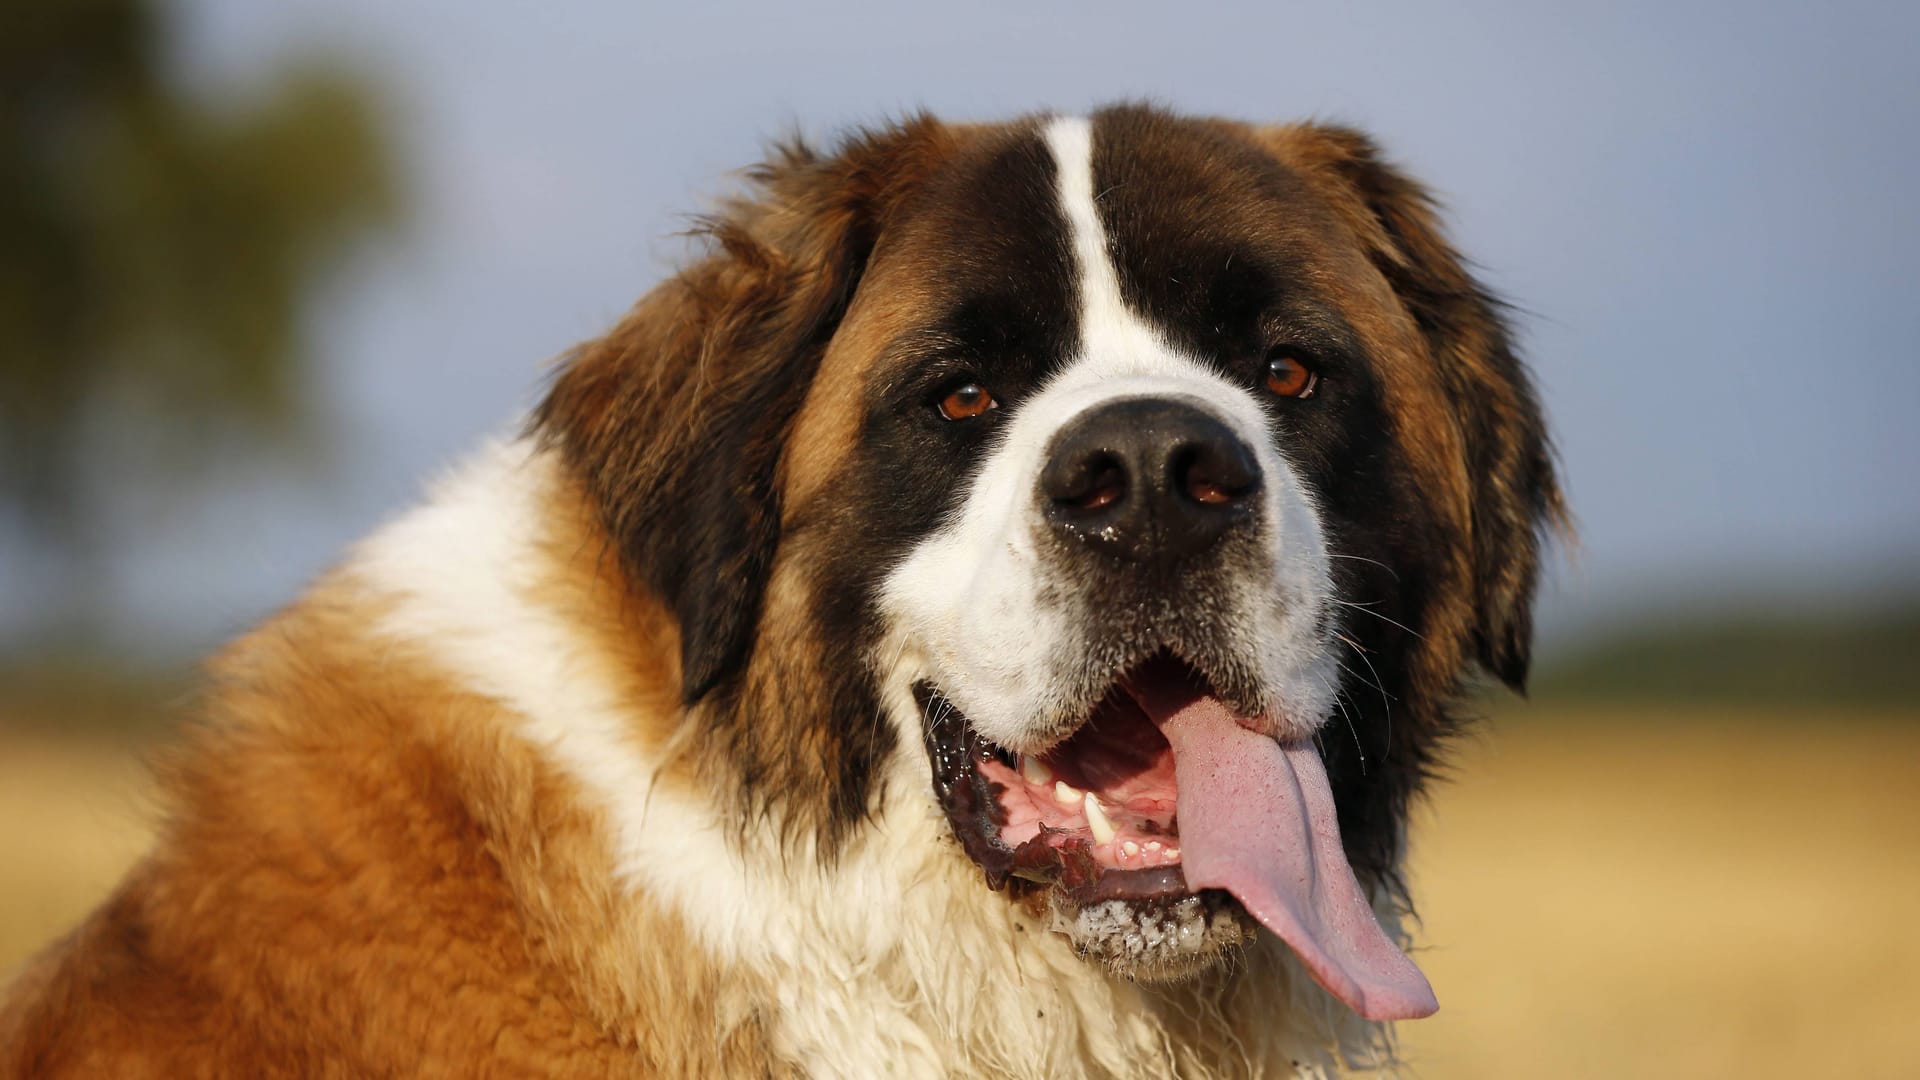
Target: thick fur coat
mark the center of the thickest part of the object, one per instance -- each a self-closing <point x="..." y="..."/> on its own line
<point x="612" y="758"/>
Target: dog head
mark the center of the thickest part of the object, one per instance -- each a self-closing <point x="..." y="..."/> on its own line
<point x="1149" y="484"/>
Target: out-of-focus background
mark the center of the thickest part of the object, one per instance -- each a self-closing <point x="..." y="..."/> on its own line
<point x="264" y="268"/>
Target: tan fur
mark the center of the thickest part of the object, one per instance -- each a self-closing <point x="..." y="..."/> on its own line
<point x="363" y="873"/>
<point x="633" y="640"/>
<point x="827" y="428"/>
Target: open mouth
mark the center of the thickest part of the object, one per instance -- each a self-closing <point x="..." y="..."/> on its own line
<point x="1167" y="810"/>
<point x="1097" y="815"/>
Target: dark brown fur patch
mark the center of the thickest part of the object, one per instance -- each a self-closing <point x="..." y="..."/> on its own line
<point x="678" y="423"/>
<point x="676" y="420"/>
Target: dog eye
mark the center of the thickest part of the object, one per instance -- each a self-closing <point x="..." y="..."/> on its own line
<point x="1289" y="376"/>
<point x="966" y="401"/>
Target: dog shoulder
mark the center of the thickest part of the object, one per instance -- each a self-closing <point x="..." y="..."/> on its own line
<point x="368" y="861"/>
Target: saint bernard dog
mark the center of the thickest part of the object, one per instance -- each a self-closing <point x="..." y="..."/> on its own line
<point x="988" y="615"/>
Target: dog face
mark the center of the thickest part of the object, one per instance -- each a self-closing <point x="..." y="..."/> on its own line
<point x="1129" y="495"/>
<point x="1149" y="484"/>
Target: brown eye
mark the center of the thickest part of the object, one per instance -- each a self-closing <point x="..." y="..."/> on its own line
<point x="966" y="401"/>
<point x="1288" y="377"/>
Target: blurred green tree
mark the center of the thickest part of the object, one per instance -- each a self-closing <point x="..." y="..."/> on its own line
<point x="157" y="249"/>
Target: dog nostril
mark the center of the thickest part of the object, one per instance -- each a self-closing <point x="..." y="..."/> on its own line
<point x="1210" y="494"/>
<point x="1148" y="479"/>
<point x="1210" y="478"/>
<point x="1100" y="481"/>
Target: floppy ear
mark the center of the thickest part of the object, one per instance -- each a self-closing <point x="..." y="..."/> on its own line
<point x="1515" y="495"/>
<point x="675" y="420"/>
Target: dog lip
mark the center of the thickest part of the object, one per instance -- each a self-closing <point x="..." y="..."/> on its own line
<point x="1155" y="883"/>
<point x="973" y="805"/>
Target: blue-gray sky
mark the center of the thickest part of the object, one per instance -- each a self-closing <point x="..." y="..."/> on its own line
<point x="1707" y="212"/>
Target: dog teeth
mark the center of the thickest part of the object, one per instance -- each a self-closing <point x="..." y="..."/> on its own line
<point x="1172" y="853"/>
<point x="1130" y="849"/>
<point x="1153" y="845"/>
<point x="1066" y="794"/>
<point x="1035" y="772"/>
<point x="1097" y="821"/>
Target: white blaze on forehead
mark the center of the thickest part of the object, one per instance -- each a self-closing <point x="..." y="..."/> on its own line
<point x="984" y="609"/>
<point x="1119" y="354"/>
<point x="1107" y="328"/>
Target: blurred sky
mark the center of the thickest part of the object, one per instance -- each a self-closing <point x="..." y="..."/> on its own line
<point x="1709" y="213"/>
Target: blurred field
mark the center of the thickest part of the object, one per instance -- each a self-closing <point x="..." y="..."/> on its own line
<point x="74" y="814"/>
<point x="1629" y="893"/>
<point x="1675" y="893"/>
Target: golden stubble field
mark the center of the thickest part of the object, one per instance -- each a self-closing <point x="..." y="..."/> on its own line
<point x="1646" y="893"/>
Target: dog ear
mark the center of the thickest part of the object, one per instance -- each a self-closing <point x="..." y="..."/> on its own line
<point x="675" y="421"/>
<point x="1515" y="494"/>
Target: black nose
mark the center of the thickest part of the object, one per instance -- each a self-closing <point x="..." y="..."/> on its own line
<point x="1148" y="479"/>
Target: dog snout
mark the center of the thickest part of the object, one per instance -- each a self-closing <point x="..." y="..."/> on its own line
<point x="1148" y="479"/>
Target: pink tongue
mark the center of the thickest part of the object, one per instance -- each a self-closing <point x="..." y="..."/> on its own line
<point x="1257" y="819"/>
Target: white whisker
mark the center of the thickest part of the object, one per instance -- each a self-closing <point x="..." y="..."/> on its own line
<point x="1361" y="558"/>
<point x="1338" y="703"/>
<point x="1377" y="615"/>
<point x="1386" y="699"/>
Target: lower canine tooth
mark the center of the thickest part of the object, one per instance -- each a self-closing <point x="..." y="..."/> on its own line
<point x="1065" y="794"/>
<point x="1034" y="771"/>
<point x="1097" y="821"/>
